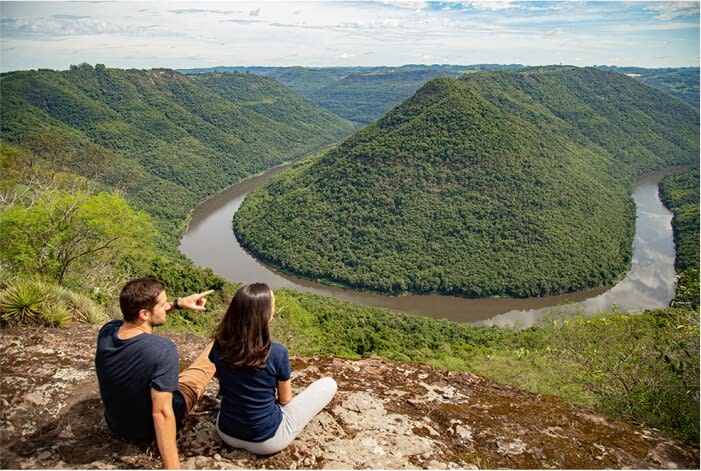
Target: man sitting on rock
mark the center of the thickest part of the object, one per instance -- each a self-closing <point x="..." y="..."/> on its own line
<point x="144" y="395"/>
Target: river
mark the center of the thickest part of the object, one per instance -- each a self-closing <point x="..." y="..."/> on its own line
<point x="210" y="242"/>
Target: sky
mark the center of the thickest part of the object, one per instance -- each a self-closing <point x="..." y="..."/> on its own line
<point x="189" y="34"/>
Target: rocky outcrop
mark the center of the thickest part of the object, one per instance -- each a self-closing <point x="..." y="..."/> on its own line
<point x="385" y="415"/>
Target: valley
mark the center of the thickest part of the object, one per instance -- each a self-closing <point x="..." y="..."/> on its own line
<point x="209" y="242"/>
<point x="481" y="219"/>
<point x="165" y="140"/>
<point x="363" y="94"/>
<point x="497" y="184"/>
<point x="152" y="144"/>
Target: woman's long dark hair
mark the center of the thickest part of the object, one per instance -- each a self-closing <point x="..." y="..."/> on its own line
<point x="243" y="335"/>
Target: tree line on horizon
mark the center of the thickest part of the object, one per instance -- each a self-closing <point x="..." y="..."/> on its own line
<point x="363" y="94"/>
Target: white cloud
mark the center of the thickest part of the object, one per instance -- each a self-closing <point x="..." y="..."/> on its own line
<point x="242" y="21"/>
<point x="68" y="26"/>
<point x="492" y="5"/>
<point x="186" y="11"/>
<point x="651" y="27"/>
<point x="412" y="5"/>
<point x="671" y="10"/>
<point x="317" y="33"/>
<point x="555" y="32"/>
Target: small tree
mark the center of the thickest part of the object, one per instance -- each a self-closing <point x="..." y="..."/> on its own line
<point x="76" y="232"/>
<point x="53" y="224"/>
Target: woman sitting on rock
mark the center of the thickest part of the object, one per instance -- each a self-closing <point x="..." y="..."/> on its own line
<point x="258" y="412"/>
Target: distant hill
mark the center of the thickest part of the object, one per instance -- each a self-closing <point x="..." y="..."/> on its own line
<point x="167" y="139"/>
<point x="680" y="82"/>
<point x="303" y="80"/>
<point x="499" y="183"/>
<point x="363" y="94"/>
<point x="360" y="94"/>
<point x="364" y="97"/>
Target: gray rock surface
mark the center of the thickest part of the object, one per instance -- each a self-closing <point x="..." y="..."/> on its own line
<point x="385" y="415"/>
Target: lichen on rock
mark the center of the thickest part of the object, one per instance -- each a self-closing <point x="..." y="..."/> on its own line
<point x="385" y="415"/>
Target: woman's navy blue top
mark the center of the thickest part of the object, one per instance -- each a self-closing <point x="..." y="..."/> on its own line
<point x="249" y="409"/>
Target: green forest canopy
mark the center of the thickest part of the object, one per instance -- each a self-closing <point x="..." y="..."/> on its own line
<point x="655" y="378"/>
<point x="680" y="193"/>
<point x="166" y="140"/>
<point x="499" y="183"/>
<point x="363" y="94"/>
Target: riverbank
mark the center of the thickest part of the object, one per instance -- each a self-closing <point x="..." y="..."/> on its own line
<point x="210" y="242"/>
<point x="251" y="182"/>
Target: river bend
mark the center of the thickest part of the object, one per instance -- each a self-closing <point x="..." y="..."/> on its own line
<point x="210" y="242"/>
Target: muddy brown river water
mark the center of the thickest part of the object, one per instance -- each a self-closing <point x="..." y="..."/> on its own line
<point x="210" y="242"/>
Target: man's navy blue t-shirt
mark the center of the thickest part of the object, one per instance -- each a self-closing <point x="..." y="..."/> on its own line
<point x="249" y="409"/>
<point x="127" y="370"/>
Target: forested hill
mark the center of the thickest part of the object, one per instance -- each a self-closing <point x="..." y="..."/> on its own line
<point x="360" y="94"/>
<point x="364" y="97"/>
<point x="363" y="94"/>
<point x="270" y="102"/>
<point x="638" y="127"/>
<point x="168" y="140"/>
<point x="499" y="183"/>
<point x="680" y="82"/>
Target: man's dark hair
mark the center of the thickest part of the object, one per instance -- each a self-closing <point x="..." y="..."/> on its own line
<point x="138" y="294"/>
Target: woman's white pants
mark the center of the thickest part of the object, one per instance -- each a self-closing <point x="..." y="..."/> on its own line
<point x="295" y="415"/>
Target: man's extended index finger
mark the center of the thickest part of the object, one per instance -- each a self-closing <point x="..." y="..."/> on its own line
<point x="207" y="293"/>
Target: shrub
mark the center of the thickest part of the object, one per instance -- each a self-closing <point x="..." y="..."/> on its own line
<point x="641" y="368"/>
<point x="23" y="302"/>
<point x="36" y="302"/>
<point x="85" y="309"/>
<point x="56" y="314"/>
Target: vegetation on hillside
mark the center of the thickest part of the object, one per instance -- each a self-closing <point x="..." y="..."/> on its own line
<point x="375" y="90"/>
<point x="494" y="184"/>
<point x="164" y="139"/>
<point x="303" y="80"/>
<point x="635" y="367"/>
<point x="680" y="82"/>
<point x="58" y="227"/>
<point x="67" y="246"/>
<point x="640" y="128"/>
<point x="360" y="94"/>
<point x="680" y="193"/>
<point x="364" y="97"/>
<point x="642" y="368"/>
<point x="267" y="98"/>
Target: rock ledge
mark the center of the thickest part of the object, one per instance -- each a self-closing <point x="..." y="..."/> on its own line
<point x="385" y="415"/>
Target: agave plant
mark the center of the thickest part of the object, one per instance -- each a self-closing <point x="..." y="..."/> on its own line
<point x="56" y="314"/>
<point x="85" y="309"/>
<point x="22" y="302"/>
<point x="37" y="302"/>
